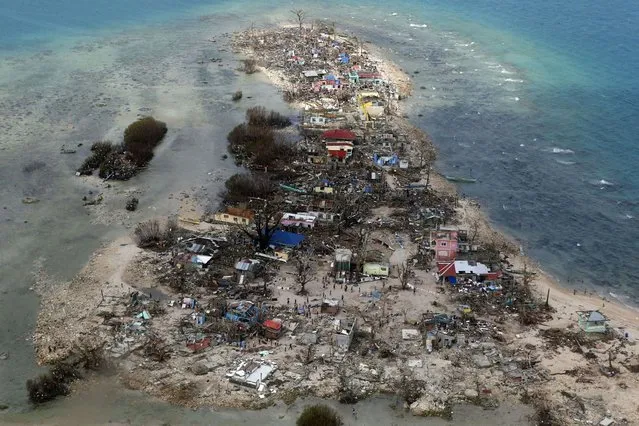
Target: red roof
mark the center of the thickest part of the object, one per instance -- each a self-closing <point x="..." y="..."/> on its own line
<point x="339" y="134"/>
<point x="272" y="324"/>
<point x="338" y="154"/>
<point x="369" y="75"/>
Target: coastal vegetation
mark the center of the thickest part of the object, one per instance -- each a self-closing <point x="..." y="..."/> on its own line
<point x="319" y="415"/>
<point x="151" y="233"/>
<point x="237" y="95"/>
<point x="49" y="386"/>
<point x="242" y="186"/>
<point x="123" y="161"/>
<point x="249" y="66"/>
<point x="257" y="142"/>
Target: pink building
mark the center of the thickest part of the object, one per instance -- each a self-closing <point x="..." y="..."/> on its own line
<point x="444" y="243"/>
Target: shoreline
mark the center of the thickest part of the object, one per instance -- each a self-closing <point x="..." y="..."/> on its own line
<point x="118" y="253"/>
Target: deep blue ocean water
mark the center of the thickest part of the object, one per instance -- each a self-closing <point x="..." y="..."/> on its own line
<point x="551" y="133"/>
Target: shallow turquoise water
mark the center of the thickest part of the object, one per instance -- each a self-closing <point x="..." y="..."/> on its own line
<point x="537" y="99"/>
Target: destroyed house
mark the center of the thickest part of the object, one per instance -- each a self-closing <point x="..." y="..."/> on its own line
<point x="244" y="312"/>
<point x="272" y="329"/>
<point x="376" y="269"/>
<point x="340" y="150"/>
<point x="285" y="239"/>
<point x="324" y="188"/>
<point x="329" y="306"/>
<point x="344" y="332"/>
<point x="248" y="268"/>
<point x="371" y="105"/>
<point x="252" y="373"/>
<point x="235" y="216"/>
<point x="444" y="244"/>
<point x="339" y="143"/>
<point x="432" y="320"/>
<point x="201" y="245"/>
<point x="365" y="77"/>
<point x="460" y="269"/>
<point x="339" y="135"/>
<point x="192" y="260"/>
<point x="323" y="216"/>
<point x="385" y="160"/>
<point x="342" y="265"/>
<point x="592" y="321"/>
<point x="297" y="220"/>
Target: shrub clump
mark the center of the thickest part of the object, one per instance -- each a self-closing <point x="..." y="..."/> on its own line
<point x="99" y="152"/>
<point x="141" y="137"/>
<point x="151" y="234"/>
<point x="259" y="116"/>
<point x="132" y="204"/>
<point x="118" y="165"/>
<point x="242" y="186"/>
<point x="249" y="66"/>
<point x="237" y="95"/>
<point x="256" y="140"/>
<point x="319" y="415"/>
<point x="122" y="162"/>
<point x="49" y="386"/>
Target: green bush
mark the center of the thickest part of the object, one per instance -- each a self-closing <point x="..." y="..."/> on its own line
<point x="99" y="152"/>
<point x="259" y="116"/>
<point x="141" y="137"/>
<point x="118" y="166"/>
<point x="242" y="186"/>
<point x="148" y="233"/>
<point x="52" y="384"/>
<point x="319" y="415"/>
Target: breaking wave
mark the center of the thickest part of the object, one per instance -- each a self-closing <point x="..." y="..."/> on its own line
<point x="419" y="25"/>
<point x="601" y="182"/>
<point x="566" y="163"/>
<point x="559" y="150"/>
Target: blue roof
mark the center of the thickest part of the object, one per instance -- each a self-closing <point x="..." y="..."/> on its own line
<point x="286" y="239"/>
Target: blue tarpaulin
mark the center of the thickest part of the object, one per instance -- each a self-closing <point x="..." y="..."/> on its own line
<point x="286" y="239"/>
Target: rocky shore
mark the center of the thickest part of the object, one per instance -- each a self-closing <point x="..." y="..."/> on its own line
<point x="369" y="300"/>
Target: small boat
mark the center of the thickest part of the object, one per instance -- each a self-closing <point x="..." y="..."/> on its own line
<point x="460" y="179"/>
<point x="292" y="188"/>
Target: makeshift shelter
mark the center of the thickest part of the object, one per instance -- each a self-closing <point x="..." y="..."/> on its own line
<point x="376" y="269"/>
<point x="343" y="259"/>
<point x="272" y="329"/>
<point x="592" y="321"/>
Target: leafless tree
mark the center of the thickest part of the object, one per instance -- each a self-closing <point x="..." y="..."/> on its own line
<point x="157" y="348"/>
<point x="475" y="226"/>
<point x="300" y="15"/>
<point x="361" y="250"/>
<point x="304" y="272"/>
<point x="427" y="153"/>
<point x="351" y="208"/>
<point x="267" y="215"/>
<point x="405" y="273"/>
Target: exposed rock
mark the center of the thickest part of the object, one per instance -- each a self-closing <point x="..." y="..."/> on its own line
<point x="481" y="361"/>
<point x="471" y="393"/>
<point x="428" y="405"/>
<point x="199" y="369"/>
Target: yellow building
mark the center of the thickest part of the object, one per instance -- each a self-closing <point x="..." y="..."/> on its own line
<point x="235" y="215"/>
